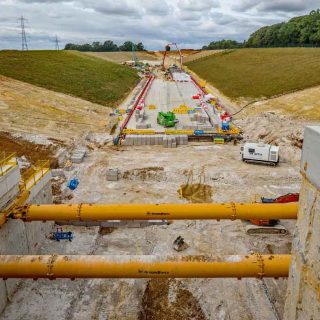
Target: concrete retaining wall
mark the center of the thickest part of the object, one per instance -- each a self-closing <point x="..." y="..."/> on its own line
<point x="159" y="139"/>
<point x="17" y="237"/>
<point x="303" y="296"/>
<point x="9" y="186"/>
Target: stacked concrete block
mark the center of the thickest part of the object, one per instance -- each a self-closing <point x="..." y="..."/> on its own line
<point x="143" y="126"/>
<point x="181" y="140"/>
<point x="165" y="141"/>
<point x="170" y="141"/>
<point x="205" y="127"/>
<point x="198" y="117"/>
<point x="140" y="115"/>
<point x="113" y="174"/>
<point x="57" y="173"/>
<point x="78" y="155"/>
<point x="185" y="139"/>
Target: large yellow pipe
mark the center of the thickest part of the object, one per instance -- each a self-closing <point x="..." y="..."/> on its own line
<point x="54" y="266"/>
<point x="100" y="212"/>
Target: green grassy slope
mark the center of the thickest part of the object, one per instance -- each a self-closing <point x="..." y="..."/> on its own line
<point x="254" y="73"/>
<point x="72" y="73"/>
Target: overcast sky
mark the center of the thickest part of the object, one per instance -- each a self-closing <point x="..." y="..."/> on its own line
<point x="191" y="23"/>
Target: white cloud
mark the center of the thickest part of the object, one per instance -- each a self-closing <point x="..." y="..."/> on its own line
<point x="191" y="23"/>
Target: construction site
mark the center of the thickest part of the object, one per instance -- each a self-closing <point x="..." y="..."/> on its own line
<point x="169" y="206"/>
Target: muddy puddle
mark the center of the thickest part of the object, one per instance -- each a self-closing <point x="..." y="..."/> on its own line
<point x="196" y="193"/>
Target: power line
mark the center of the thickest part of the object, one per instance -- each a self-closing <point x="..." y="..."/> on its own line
<point x="24" y="43"/>
<point x="56" y="41"/>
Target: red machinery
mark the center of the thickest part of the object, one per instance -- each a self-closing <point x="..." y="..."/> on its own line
<point x="267" y="226"/>
<point x="168" y="49"/>
<point x="290" y="197"/>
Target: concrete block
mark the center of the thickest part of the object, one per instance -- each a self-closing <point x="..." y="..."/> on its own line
<point x="311" y="154"/>
<point x="78" y="155"/>
<point x="127" y="141"/>
<point x="165" y="141"/>
<point x="61" y="155"/>
<point x="57" y="173"/>
<point x="113" y="174"/>
<point x="152" y="140"/>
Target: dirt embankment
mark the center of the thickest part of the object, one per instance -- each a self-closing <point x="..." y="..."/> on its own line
<point x="28" y="109"/>
<point x="33" y="152"/>
<point x="274" y="128"/>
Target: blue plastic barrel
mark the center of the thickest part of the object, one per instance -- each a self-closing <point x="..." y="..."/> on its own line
<point x="72" y="184"/>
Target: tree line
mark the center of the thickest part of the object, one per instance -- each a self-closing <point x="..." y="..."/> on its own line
<point x="223" y="44"/>
<point x="106" y="46"/>
<point x="301" y="31"/>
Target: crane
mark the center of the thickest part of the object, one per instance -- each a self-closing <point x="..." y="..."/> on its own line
<point x="168" y="49"/>
<point x="134" y="56"/>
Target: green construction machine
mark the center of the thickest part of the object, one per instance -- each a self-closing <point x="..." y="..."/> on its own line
<point x="167" y="120"/>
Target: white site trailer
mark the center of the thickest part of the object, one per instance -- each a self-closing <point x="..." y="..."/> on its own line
<point x="260" y="153"/>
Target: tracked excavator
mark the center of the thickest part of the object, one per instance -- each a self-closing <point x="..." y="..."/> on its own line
<point x="267" y="226"/>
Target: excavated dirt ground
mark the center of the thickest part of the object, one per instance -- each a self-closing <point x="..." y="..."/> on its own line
<point x="229" y="180"/>
<point x="167" y="299"/>
<point x="153" y="174"/>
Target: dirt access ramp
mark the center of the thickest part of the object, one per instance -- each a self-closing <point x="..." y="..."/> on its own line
<point x="120" y="57"/>
<point x="28" y="109"/>
<point x="198" y="55"/>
